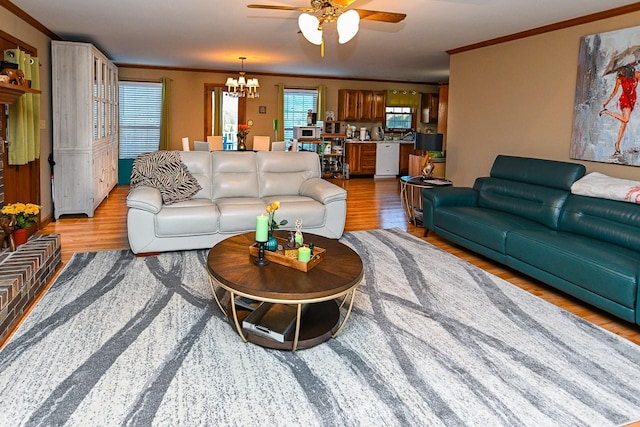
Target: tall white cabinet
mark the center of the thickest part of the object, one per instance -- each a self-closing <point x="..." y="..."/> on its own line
<point x="85" y="127"/>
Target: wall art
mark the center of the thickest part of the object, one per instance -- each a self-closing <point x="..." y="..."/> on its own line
<point x="606" y="124"/>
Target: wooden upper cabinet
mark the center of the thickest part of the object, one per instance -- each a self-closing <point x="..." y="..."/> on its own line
<point x="361" y="105"/>
<point x="366" y="110"/>
<point x="349" y="102"/>
<point x="429" y="108"/>
<point x="378" y="104"/>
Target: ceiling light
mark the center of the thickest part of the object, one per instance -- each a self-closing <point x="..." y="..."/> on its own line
<point x="348" y="25"/>
<point x="241" y="86"/>
<point x="311" y="28"/>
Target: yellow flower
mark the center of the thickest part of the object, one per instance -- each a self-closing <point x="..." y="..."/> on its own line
<point x="26" y="214"/>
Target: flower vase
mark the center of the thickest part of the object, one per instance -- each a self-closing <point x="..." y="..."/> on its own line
<point x="20" y="236"/>
<point x="242" y="146"/>
<point x="272" y="243"/>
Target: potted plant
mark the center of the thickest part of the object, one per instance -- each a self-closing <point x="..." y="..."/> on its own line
<point x="26" y="215"/>
<point x="272" y="243"/>
<point x="243" y="131"/>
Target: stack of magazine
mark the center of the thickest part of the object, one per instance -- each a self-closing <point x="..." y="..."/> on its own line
<point x="275" y="321"/>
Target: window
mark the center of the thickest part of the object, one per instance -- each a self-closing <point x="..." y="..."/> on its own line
<point x="140" y="117"/>
<point x="297" y="102"/>
<point x="398" y="117"/>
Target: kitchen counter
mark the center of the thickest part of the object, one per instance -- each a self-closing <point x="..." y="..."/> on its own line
<point x="357" y="141"/>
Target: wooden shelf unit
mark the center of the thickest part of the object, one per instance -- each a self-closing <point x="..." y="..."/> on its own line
<point x="10" y="93"/>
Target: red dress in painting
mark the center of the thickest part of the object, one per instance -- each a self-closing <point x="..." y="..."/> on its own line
<point x="628" y="96"/>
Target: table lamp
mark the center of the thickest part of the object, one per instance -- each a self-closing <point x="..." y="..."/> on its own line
<point x="428" y="142"/>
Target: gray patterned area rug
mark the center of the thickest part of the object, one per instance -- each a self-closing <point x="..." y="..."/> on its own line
<point x="433" y="340"/>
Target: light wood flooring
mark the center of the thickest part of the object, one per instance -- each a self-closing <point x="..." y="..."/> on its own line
<point x="371" y="204"/>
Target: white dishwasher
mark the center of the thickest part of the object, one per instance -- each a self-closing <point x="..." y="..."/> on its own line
<point x="387" y="159"/>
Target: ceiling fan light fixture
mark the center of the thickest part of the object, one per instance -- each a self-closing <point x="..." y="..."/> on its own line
<point x="309" y="24"/>
<point x="348" y="26"/>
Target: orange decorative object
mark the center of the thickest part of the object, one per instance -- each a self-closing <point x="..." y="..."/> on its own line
<point x="20" y="236"/>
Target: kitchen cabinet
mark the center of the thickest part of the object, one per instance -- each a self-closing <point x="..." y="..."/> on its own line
<point x="85" y="127"/>
<point x="378" y="104"/>
<point x="361" y="105"/>
<point x="406" y="150"/>
<point x="361" y="157"/>
<point x="429" y="105"/>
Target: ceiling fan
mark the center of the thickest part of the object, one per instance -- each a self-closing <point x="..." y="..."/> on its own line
<point x="322" y="11"/>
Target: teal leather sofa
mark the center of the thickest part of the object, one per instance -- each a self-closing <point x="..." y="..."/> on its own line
<point x="524" y="216"/>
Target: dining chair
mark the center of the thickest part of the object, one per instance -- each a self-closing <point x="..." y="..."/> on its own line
<point x="278" y="145"/>
<point x="261" y="143"/>
<point x="185" y="144"/>
<point x="215" y="142"/>
<point x="200" y="146"/>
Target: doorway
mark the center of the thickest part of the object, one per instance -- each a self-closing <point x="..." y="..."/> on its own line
<point x="21" y="182"/>
<point x="223" y="113"/>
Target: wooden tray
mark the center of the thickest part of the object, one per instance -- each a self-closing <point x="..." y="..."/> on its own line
<point x="279" y="258"/>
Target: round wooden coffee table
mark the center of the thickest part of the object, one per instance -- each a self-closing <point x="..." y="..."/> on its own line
<point x="322" y="291"/>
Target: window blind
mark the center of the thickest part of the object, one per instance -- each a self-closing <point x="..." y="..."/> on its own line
<point x="297" y="102"/>
<point x="140" y="118"/>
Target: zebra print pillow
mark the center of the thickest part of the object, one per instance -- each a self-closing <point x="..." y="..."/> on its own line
<point x="165" y="171"/>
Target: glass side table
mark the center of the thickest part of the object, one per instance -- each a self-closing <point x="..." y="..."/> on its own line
<point x="411" y="194"/>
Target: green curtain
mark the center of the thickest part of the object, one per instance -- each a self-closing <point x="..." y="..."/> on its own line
<point x="24" y="113"/>
<point x="403" y="98"/>
<point x="217" y="117"/>
<point x="280" y="118"/>
<point x="321" y="102"/>
<point x="165" y="116"/>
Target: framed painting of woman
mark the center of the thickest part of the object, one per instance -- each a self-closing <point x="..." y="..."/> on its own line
<point x="606" y="124"/>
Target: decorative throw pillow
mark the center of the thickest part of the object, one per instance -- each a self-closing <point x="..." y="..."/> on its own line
<point x="165" y="171"/>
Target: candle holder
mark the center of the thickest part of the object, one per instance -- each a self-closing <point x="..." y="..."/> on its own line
<point x="261" y="261"/>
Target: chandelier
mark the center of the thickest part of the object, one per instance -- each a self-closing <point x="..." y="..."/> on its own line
<point x="242" y="86"/>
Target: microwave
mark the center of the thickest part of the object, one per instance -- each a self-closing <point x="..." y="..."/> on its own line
<point x="307" y="132"/>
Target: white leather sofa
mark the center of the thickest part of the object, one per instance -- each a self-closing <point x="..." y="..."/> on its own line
<point x="236" y="187"/>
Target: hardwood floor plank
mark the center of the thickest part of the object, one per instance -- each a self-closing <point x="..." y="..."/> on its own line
<point x="371" y="204"/>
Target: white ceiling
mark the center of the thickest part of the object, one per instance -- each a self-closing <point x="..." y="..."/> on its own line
<point x="212" y="34"/>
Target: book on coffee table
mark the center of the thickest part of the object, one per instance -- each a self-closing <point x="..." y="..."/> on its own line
<point x="275" y="321"/>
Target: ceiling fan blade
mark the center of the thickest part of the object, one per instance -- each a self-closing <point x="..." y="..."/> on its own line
<point x="265" y="6"/>
<point x="376" y="15"/>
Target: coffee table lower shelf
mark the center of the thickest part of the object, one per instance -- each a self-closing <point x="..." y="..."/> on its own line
<point x="318" y="324"/>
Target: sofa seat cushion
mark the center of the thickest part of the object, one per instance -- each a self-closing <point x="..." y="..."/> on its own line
<point x="188" y="218"/>
<point x="238" y="214"/>
<point x="311" y="212"/>
<point x="486" y="227"/>
<point x="602" y="268"/>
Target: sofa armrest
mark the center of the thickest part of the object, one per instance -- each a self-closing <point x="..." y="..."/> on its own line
<point x="145" y="198"/>
<point x="432" y="198"/>
<point x="322" y="191"/>
<point x="450" y="196"/>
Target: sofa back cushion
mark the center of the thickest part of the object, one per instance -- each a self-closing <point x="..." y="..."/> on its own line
<point x="199" y="167"/>
<point x="281" y="173"/>
<point x="534" y="202"/>
<point x="233" y="174"/>
<point x="608" y="220"/>
<point x="548" y="173"/>
<point x="535" y="189"/>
